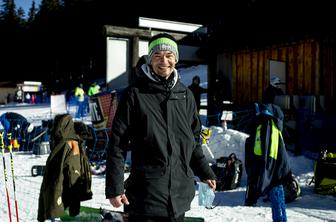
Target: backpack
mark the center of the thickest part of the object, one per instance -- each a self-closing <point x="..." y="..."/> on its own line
<point x="228" y="171"/>
<point x="291" y="188"/>
<point x="324" y="173"/>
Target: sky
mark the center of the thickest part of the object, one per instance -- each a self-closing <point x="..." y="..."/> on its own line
<point x="309" y="207"/>
<point x="26" y="4"/>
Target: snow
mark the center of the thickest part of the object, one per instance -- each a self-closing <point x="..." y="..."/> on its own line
<point x="232" y="140"/>
<point x="229" y="204"/>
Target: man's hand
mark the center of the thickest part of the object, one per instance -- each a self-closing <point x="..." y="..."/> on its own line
<point x="119" y="200"/>
<point x="212" y="184"/>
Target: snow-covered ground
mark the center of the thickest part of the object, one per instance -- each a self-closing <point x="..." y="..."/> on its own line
<point x="230" y="204"/>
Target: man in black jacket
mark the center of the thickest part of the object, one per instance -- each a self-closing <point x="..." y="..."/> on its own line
<point x="273" y="90"/>
<point x="157" y="117"/>
<point x="197" y="90"/>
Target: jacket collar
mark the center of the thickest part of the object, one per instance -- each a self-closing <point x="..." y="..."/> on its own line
<point x="149" y="74"/>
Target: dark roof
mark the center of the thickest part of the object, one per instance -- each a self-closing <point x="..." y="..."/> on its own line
<point x="241" y="23"/>
<point x="10" y="84"/>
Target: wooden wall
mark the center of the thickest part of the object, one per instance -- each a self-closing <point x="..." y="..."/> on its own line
<point x="310" y="67"/>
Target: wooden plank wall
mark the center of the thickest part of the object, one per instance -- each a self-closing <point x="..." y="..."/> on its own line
<point x="310" y="70"/>
<point x="328" y="79"/>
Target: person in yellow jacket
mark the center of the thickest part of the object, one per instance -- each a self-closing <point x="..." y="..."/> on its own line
<point x="94" y="89"/>
<point x="80" y="95"/>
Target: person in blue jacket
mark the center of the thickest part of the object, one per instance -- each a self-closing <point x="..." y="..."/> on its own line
<point x="16" y="124"/>
<point x="266" y="160"/>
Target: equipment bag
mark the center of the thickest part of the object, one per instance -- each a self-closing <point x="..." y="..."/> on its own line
<point x="229" y="171"/>
<point x="324" y="173"/>
<point x="291" y="188"/>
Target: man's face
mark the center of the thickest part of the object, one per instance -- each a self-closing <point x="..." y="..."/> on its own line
<point x="163" y="63"/>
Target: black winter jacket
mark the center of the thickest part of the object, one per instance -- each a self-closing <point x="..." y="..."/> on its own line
<point x="67" y="176"/>
<point x="163" y="127"/>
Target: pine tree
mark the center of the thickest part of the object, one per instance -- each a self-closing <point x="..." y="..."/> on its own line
<point x="11" y="39"/>
<point x="12" y="19"/>
<point x="47" y="36"/>
<point x="8" y="14"/>
<point x="50" y="5"/>
<point x="20" y="17"/>
<point x="32" y="13"/>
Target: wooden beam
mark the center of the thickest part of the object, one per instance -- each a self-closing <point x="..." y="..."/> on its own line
<point x="117" y="31"/>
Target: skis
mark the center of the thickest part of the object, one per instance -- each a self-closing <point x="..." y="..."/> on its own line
<point x="10" y="147"/>
<point x="2" y="146"/>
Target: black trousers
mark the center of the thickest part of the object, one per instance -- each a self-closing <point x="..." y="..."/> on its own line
<point x="142" y="218"/>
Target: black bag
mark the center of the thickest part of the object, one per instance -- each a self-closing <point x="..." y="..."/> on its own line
<point x="37" y="170"/>
<point x="291" y="188"/>
<point x="229" y="171"/>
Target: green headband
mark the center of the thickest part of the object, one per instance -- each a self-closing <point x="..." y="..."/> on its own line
<point x="161" y="44"/>
<point x="161" y="41"/>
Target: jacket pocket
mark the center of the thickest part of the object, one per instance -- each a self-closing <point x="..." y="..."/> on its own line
<point x="151" y="171"/>
<point x="73" y="170"/>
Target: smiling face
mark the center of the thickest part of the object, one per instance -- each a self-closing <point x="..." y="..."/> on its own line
<point x="163" y="63"/>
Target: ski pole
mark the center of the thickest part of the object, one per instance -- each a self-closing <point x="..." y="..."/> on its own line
<point x="10" y="147"/>
<point x="2" y="146"/>
<point x="38" y="136"/>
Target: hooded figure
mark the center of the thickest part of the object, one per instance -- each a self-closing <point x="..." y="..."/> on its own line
<point x="266" y="160"/>
<point x="273" y="90"/>
<point x="157" y="118"/>
<point x="67" y="178"/>
<point x="197" y="90"/>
